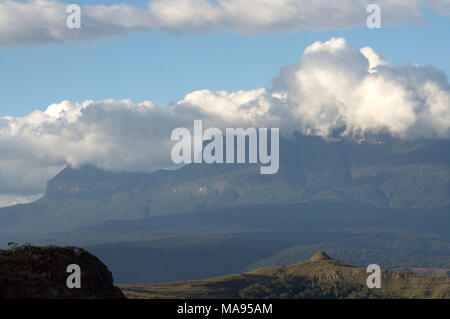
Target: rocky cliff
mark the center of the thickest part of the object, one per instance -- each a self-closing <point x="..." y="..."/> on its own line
<point x="41" y="272"/>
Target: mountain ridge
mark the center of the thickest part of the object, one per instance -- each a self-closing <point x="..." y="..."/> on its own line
<point x="386" y="174"/>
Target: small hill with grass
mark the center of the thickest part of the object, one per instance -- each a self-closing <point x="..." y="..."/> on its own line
<point x="319" y="277"/>
<point x="29" y="272"/>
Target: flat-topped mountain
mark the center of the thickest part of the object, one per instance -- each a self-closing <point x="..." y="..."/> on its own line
<point x="382" y="201"/>
<point x="382" y="173"/>
<point x="319" y="277"/>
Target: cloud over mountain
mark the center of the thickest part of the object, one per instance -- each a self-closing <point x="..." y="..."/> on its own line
<point x="335" y="87"/>
<point x="37" y="22"/>
<point x="338" y="87"/>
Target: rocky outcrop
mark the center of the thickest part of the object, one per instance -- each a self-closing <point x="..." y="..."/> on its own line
<point x="41" y="272"/>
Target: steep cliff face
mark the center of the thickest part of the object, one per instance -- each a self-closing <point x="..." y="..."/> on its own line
<point x="41" y="272"/>
<point x="381" y="174"/>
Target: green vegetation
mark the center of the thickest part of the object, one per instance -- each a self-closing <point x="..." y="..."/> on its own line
<point x="209" y="255"/>
<point x="383" y="201"/>
<point x="388" y="248"/>
<point x="284" y="286"/>
<point x="320" y="277"/>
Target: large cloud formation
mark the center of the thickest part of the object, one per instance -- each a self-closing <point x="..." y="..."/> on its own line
<point x="334" y="88"/>
<point x="37" y="22"/>
<point x="338" y="87"/>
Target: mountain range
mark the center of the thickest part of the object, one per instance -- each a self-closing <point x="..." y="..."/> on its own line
<point x="327" y="194"/>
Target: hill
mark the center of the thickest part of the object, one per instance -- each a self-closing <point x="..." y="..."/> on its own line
<point x="40" y="272"/>
<point x="319" y="277"/>
<point x="194" y="257"/>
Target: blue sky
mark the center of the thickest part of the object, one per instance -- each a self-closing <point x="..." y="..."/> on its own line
<point x="164" y="50"/>
<point x="163" y="67"/>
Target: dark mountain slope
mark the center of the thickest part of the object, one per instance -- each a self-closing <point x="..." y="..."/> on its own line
<point x="380" y="172"/>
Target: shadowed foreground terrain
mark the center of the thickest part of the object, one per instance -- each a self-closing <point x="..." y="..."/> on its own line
<point x="319" y="277"/>
<point x="40" y="272"/>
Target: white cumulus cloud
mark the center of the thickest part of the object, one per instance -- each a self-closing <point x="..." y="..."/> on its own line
<point x="334" y="87"/>
<point x="338" y="87"/>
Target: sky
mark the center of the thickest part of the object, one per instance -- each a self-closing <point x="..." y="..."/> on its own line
<point x="136" y="70"/>
<point x="163" y="67"/>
